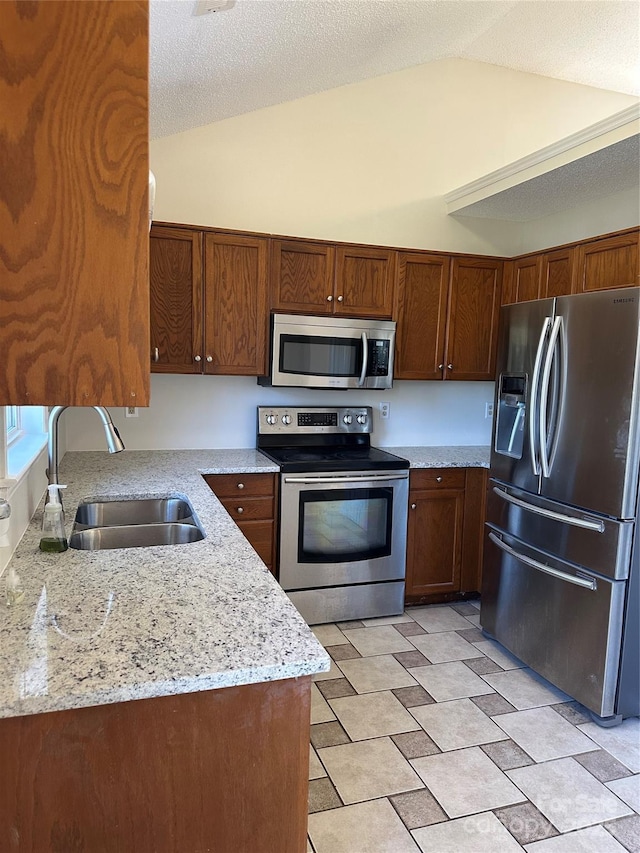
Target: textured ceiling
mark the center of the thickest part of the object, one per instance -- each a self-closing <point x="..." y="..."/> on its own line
<point x="265" y="52"/>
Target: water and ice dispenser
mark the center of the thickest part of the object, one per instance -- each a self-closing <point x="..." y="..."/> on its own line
<point x="512" y="402"/>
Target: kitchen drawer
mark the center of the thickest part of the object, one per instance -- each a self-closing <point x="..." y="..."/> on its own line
<point x="437" y="478"/>
<point x="260" y="536"/>
<point x="247" y="509"/>
<point x="247" y="485"/>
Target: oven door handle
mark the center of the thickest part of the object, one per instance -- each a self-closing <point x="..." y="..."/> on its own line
<point x="365" y="360"/>
<point x="347" y="479"/>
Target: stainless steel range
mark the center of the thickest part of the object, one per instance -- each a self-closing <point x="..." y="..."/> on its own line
<point x="343" y="512"/>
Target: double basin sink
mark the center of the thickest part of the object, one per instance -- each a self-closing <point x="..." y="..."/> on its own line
<point x="135" y="523"/>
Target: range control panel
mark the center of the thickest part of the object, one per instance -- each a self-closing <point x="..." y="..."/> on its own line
<point x="282" y="420"/>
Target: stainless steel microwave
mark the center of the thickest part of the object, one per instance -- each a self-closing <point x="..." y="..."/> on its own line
<point x="330" y="352"/>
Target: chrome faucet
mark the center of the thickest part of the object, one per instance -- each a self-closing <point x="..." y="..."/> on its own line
<point x="114" y="442"/>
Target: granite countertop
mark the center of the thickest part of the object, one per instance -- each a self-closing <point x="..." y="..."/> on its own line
<point x="460" y="456"/>
<point x="96" y="627"/>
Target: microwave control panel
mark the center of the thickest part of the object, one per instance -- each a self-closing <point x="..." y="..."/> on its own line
<point x="378" y="358"/>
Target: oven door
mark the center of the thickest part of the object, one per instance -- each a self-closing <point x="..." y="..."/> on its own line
<point x="342" y="528"/>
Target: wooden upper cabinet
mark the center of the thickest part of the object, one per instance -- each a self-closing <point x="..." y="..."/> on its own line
<point x="610" y="262"/>
<point x="364" y="281"/>
<point x="175" y="275"/>
<point x="522" y="279"/>
<point x="421" y="313"/>
<point x="235" y="304"/>
<point x="74" y="234"/>
<point x="558" y="269"/>
<point x="472" y="321"/>
<point x="302" y="276"/>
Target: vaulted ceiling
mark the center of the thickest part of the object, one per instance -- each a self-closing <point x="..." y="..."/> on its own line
<point x="264" y="52"/>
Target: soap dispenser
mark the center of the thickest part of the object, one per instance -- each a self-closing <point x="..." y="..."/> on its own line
<point x="53" y="538"/>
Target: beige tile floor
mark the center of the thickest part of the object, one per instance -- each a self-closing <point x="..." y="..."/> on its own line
<point x="426" y="736"/>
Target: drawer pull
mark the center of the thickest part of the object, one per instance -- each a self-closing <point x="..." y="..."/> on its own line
<point x="438" y="479"/>
<point x="241" y="485"/>
<point x="239" y="510"/>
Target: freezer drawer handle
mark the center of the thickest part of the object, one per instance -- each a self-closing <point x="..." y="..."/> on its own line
<point x="352" y="479"/>
<point x="597" y="526"/>
<point x="563" y="576"/>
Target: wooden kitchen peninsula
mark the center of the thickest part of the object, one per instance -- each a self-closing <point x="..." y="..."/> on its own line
<point x="213" y="754"/>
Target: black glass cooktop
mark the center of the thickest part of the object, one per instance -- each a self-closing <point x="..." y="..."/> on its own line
<point x="317" y="459"/>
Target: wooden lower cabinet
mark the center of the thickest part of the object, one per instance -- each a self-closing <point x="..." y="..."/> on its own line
<point x="222" y="770"/>
<point x="444" y="544"/>
<point x="250" y="500"/>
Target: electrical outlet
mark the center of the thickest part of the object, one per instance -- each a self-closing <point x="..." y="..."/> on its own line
<point x="488" y="410"/>
<point x="385" y="409"/>
<point x="131" y="412"/>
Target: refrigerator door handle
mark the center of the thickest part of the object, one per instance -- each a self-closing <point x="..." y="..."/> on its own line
<point x="535" y="381"/>
<point x="544" y="397"/>
<point x="596" y="526"/>
<point x="586" y="583"/>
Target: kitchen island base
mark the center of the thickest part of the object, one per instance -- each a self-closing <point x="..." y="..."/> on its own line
<point x="220" y="770"/>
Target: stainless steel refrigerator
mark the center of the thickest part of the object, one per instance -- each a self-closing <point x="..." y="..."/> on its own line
<point x="561" y="575"/>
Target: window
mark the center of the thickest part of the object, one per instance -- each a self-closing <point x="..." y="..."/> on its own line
<point x="12" y="423"/>
<point x="23" y="437"/>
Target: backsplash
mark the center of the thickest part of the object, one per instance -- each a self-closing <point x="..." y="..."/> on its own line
<point x="194" y="412"/>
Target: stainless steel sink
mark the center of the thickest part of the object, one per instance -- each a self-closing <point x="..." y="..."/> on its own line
<point x="133" y="511"/>
<point x="135" y="523"/>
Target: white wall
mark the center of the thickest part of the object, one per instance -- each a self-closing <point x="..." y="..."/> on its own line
<point x="24" y="498"/>
<point x="612" y="213"/>
<point x="370" y="162"/>
<point x="192" y="412"/>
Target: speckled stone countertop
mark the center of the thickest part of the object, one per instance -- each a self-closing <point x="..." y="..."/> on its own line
<point x="461" y="456"/>
<point x="96" y="627"/>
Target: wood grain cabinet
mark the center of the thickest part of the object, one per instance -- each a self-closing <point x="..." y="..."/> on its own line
<point x="222" y="770"/>
<point x="302" y="276"/>
<point x="447" y="311"/>
<point x="235" y="304"/>
<point x="444" y="541"/>
<point x="175" y="276"/>
<point x="321" y="278"/>
<point x="421" y="315"/>
<point x="539" y="276"/>
<point x="250" y="500"/>
<point x="74" y="284"/>
<point x="609" y="262"/>
<point x="557" y="274"/>
<point x="472" y="319"/>
<point x="208" y="302"/>
<point x="522" y="279"/>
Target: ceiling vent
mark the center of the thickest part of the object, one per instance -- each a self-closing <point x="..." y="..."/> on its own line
<point x="204" y="7"/>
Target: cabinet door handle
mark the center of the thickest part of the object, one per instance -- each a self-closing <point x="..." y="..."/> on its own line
<point x="440" y="366"/>
<point x="340" y="298"/>
<point x="241" y="485"/>
<point x="197" y="358"/>
<point x="449" y="367"/>
<point x="209" y="358"/>
<point x="413" y="506"/>
<point x="329" y="298"/>
<point x="156" y="355"/>
<point x="239" y="510"/>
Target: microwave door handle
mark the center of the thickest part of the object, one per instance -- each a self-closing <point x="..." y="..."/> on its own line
<point x="365" y="360"/>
